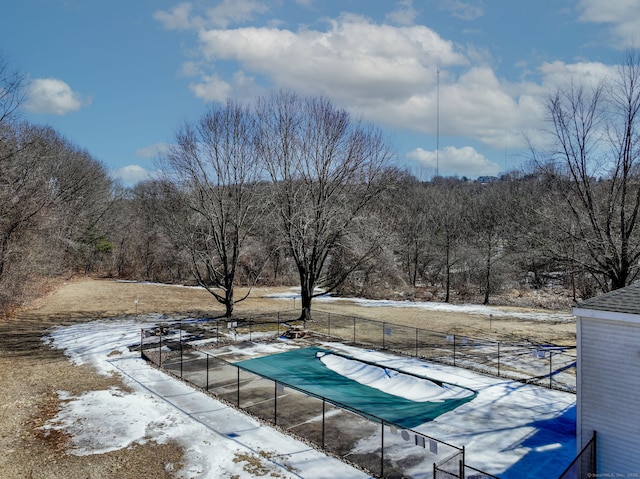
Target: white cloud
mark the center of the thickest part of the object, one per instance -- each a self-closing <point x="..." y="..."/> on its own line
<point x="559" y="73"/>
<point x="477" y="104"/>
<point x="212" y="88"/>
<point x="623" y="16"/>
<point x="152" y="151"/>
<point x="53" y="96"/>
<point x="131" y="174"/>
<point x="405" y="14"/>
<point x="463" y="10"/>
<point x="465" y="161"/>
<point x="191" y="69"/>
<point x="182" y="17"/>
<point x="387" y="74"/>
<point x="234" y="11"/>
<point x="352" y="59"/>
<point x="177" y="19"/>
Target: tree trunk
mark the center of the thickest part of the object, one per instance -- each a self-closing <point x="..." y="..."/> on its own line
<point x="448" y="272"/>
<point x="228" y="303"/>
<point x="307" y="285"/>
<point x="228" y="309"/>
<point x="487" y="285"/>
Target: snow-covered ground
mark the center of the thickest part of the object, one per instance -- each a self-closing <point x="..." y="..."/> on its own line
<point x="478" y="309"/>
<point x="509" y="429"/>
<point x="391" y="381"/>
<point x="160" y="409"/>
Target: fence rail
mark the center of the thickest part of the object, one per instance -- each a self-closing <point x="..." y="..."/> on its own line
<point x="544" y="365"/>
<point x="371" y="443"/>
<point x="584" y="465"/>
<point x="389" y="450"/>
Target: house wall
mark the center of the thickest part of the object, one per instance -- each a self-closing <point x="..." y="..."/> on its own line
<point x="609" y="389"/>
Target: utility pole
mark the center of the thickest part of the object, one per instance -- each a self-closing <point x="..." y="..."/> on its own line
<point x="437" y="122"/>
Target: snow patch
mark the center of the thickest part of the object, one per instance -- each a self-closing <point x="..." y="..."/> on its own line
<point x="510" y="429"/>
<point x="393" y="382"/>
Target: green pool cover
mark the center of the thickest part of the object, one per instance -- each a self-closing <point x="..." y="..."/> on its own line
<point x="302" y="369"/>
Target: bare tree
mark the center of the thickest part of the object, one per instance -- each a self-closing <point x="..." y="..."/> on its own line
<point x="448" y="223"/>
<point x="51" y="192"/>
<point x="326" y="169"/>
<point x="215" y="171"/>
<point x="412" y="203"/>
<point x="142" y="227"/>
<point x="596" y="131"/>
<point x="11" y="92"/>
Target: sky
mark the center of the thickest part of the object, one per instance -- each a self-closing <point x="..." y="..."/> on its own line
<point x="458" y="86"/>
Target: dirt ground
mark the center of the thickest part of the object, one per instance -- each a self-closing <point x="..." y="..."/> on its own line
<point x="31" y="373"/>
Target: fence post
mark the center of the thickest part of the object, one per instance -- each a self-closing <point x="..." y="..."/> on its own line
<point x="329" y="325"/>
<point x="142" y="343"/>
<point x="278" y="323"/>
<point x="416" y="342"/>
<point x="382" y="449"/>
<point x="594" y="451"/>
<point x="498" y="358"/>
<point x="324" y="402"/>
<point x="454" y="349"/>
<point x="354" y="330"/>
<point x="550" y="369"/>
<point x="160" y="350"/>
<point x="238" y="384"/>
<point x="275" y="403"/>
<point x="207" y="386"/>
<point x="180" y="326"/>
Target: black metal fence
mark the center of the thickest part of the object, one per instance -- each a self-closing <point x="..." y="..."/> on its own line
<point x="545" y="365"/>
<point x="390" y="450"/>
<point x="584" y="465"/>
<point x="451" y="467"/>
<point x="380" y="447"/>
<point x="473" y="473"/>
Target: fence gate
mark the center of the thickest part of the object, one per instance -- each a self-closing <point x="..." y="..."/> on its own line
<point x="451" y="467"/>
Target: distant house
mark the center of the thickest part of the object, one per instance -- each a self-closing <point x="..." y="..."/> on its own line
<point x="608" y="382"/>
<point x="487" y="179"/>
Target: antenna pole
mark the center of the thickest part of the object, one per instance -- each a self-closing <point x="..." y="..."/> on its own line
<point x="438" y="122"/>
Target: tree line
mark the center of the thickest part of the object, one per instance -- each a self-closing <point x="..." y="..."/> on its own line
<point x="291" y="190"/>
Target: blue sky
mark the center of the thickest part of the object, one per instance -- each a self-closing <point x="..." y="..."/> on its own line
<point x="117" y="77"/>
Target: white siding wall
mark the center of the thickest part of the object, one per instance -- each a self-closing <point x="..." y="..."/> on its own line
<point x="609" y="392"/>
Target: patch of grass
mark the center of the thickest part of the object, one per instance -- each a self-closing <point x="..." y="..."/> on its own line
<point x="255" y="465"/>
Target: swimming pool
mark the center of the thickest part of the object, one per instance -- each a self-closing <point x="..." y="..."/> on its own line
<point x="383" y="393"/>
